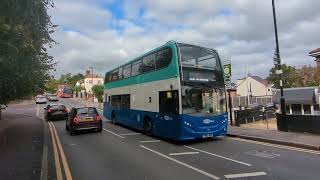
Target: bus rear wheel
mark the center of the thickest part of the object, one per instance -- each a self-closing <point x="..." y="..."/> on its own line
<point x="147" y="126"/>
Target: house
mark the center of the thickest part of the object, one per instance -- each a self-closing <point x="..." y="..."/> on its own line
<point x="303" y="101"/>
<point x="253" y="86"/>
<point x="316" y="53"/>
<point x="90" y="80"/>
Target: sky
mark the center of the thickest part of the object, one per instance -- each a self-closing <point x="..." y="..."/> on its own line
<point x="106" y="33"/>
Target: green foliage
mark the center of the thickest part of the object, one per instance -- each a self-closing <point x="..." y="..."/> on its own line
<point x="98" y="92"/>
<point x="69" y="79"/>
<point x="25" y="29"/>
<point x="293" y="77"/>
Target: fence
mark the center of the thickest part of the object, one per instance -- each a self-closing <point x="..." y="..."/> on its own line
<point x="251" y="115"/>
<point x="243" y="101"/>
<point x="299" y="123"/>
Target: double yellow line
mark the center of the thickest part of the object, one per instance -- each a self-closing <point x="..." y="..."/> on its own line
<point x="57" y="149"/>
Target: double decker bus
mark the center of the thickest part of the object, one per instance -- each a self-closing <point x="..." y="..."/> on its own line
<point x="64" y="91"/>
<point x="176" y="91"/>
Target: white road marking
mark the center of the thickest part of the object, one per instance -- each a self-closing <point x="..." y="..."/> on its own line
<point x="129" y="134"/>
<point x="183" y="153"/>
<point x="38" y="110"/>
<point x="151" y="141"/>
<point x="113" y="133"/>
<point x="277" y="146"/>
<point x="230" y="176"/>
<point x="216" y="155"/>
<point x="181" y="163"/>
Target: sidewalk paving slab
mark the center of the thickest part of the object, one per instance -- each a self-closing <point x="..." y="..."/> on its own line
<point x="300" y="140"/>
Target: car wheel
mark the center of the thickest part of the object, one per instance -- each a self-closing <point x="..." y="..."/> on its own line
<point x="113" y="118"/>
<point x="72" y="131"/>
<point x="147" y="126"/>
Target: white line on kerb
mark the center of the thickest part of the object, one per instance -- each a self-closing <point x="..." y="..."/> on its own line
<point x="113" y="133"/>
<point x="151" y="141"/>
<point x="216" y="155"/>
<point x="181" y="163"/>
<point x="183" y="153"/>
<point x="129" y="134"/>
<point x="230" y="176"/>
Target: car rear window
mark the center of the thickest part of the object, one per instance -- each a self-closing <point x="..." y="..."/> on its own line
<point x="60" y="107"/>
<point x="87" y="110"/>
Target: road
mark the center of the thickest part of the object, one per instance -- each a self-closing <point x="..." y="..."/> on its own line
<point x="122" y="153"/>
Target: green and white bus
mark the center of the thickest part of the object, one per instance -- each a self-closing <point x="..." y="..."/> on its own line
<point x="175" y="91"/>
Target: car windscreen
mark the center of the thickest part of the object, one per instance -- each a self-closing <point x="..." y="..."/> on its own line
<point x="87" y="110"/>
<point x="59" y="107"/>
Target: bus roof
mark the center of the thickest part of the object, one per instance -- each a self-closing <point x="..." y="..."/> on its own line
<point x="139" y="57"/>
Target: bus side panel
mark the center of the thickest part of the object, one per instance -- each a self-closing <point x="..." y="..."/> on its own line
<point x="167" y="126"/>
<point x="107" y="110"/>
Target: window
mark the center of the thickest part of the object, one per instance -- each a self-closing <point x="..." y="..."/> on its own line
<point x="307" y="109"/>
<point x="296" y="108"/>
<point x="87" y="110"/>
<point x="99" y="82"/>
<point x="106" y="79"/>
<point x="90" y="81"/>
<point x="149" y="63"/>
<point x="120" y="101"/>
<point x="126" y="71"/>
<point x="136" y="68"/>
<point x="287" y="108"/>
<point x="163" y="58"/>
<point x="114" y="75"/>
<point x="120" y="73"/>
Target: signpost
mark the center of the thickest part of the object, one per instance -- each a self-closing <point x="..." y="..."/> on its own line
<point x="227" y="75"/>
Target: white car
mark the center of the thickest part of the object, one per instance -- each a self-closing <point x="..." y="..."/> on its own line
<point x="52" y="97"/>
<point x="40" y="99"/>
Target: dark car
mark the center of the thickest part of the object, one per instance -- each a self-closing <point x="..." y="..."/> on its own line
<point x="55" y="112"/>
<point x="81" y="118"/>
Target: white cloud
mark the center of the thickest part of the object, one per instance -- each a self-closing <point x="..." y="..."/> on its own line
<point x="244" y="34"/>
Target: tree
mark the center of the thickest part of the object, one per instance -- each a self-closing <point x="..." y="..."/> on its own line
<point x="25" y="65"/>
<point x="98" y="92"/>
<point x="291" y="77"/>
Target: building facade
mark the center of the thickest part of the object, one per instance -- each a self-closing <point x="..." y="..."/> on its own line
<point x="253" y="86"/>
<point x="90" y="80"/>
<point x="316" y="53"/>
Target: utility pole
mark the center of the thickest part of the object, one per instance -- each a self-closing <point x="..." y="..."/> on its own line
<point x="277" y="59"/>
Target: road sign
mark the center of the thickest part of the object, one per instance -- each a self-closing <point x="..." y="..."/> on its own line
<point x="227" y="71"/>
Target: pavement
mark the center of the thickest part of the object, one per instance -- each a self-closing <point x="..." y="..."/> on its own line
<point x="21" y="143"/>
<point x="301" y="140"/>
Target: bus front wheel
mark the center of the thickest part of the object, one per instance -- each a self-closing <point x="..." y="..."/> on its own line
<point x="147" y="126"/>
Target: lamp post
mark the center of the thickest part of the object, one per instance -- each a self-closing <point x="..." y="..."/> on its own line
<point x="277" y="59"/>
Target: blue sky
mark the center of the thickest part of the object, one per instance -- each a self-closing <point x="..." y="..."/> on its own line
<point x="106" y="33"/>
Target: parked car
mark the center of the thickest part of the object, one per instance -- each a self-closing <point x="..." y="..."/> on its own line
<point x="40" y="99"/>
<point x="3" y="106"/>
<point x="255" y="106"/>
<point x="55" y="112"/>
<point x="81" y="118"/>
<point x="52" y="97"/>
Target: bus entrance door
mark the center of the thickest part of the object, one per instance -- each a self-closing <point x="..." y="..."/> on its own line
<point x="169" y="102"/>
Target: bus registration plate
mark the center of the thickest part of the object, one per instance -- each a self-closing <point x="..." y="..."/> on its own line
<point x="207" y="135"/>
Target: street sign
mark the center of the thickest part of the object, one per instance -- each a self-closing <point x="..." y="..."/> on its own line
<point x="227" y="71"/>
